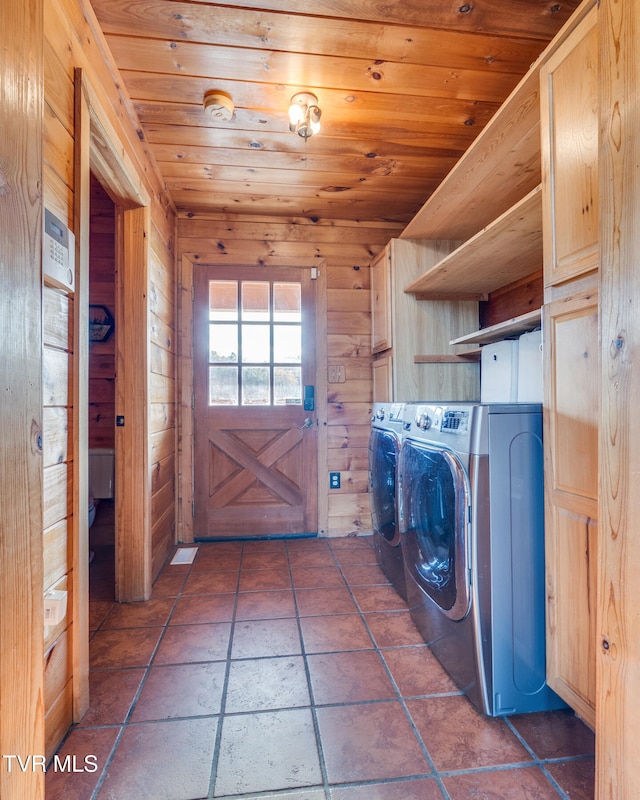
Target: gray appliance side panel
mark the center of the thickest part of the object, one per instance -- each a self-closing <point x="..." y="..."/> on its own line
<point x="517" y="561"/>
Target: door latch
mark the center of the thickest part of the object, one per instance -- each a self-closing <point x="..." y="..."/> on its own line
<point x="308" y="398"/>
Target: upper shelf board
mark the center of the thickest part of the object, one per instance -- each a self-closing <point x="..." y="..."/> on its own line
<point x="501" y="166"/>
<point x="508" y="249"/>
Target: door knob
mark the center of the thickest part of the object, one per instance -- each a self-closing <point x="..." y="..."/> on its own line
<point x="308" y="423"/>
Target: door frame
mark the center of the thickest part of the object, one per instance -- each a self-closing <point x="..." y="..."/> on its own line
<point x="186" y="466"/>
<point x="99" y="151"/>
<point x="21" y="490"/>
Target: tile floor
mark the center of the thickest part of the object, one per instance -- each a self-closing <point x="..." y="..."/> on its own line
<point x="292" y="670"/>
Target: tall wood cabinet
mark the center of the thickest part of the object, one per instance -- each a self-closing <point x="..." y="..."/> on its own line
<point x="411" y="336"/>
<point x="569" y="137"/>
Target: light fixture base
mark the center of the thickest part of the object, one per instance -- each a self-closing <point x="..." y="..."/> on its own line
<point x="304" y="99"/>
<point x="219" y="105"/>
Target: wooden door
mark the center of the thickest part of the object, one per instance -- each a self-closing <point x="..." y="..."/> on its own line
<point x="255" y="466"/>
<point x="21" y="483"/>
<point x="569" y="124"/>
<point x="571" y="527"/>
<point x="618" y="616"/>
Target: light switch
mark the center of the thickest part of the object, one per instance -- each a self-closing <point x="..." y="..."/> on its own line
<point x="55" y="607"/>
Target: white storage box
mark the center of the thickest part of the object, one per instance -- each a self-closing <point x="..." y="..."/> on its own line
<point x="499" y="372"/>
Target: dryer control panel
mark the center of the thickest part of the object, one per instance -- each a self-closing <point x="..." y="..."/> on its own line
<point x="453" y="421"/>
<point x="442" y="419"/>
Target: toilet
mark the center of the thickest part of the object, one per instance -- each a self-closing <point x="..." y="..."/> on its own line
<point x="101" y="473"/>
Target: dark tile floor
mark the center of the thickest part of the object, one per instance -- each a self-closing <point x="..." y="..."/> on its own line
<point x="292" y="671"/>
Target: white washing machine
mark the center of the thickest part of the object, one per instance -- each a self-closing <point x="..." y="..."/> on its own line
<point x="471" y="519"/>
<point x="384" y="448"/>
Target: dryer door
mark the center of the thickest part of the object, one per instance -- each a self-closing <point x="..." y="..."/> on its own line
<point x="383" y="458"/>
<point x="434" y="530"/>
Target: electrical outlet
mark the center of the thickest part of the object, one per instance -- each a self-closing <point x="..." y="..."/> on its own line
<point x="334" y="480"/>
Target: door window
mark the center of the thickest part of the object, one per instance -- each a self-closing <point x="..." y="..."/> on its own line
<point x="434" y="508"/>
<point x="255" y="343"/>
<point x="383" y="456"/>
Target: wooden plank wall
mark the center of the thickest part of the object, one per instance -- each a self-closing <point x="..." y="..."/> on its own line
<point x="347" y="249"/>
<point x="72" y="39"/>
<point x="57" y="517"/>
<point x="21" y="686"/>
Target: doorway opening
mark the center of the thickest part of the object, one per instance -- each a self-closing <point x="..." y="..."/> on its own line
<point x="103" y="324"/>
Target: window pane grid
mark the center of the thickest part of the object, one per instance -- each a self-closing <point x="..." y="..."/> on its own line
<point x="255" y="343"/>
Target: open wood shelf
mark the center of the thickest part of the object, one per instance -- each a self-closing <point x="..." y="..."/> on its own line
<point x="508" y="249"/>
<point x="510" y="327"/>
<point x="501" y="166"/>
<point x="446" y="358"/>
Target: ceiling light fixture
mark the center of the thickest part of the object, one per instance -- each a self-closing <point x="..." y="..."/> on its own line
<point x="304" y="114"/>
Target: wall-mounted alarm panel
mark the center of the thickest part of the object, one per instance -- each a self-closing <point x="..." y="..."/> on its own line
<point x="58" y="253"/>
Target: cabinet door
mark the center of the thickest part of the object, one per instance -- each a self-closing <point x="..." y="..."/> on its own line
<point x="569" y="140"/>
<point x="382" y="385"/>
<point x="571" y="653"/>
<point x="380" y="279"/>
<point x="571" y="488"/>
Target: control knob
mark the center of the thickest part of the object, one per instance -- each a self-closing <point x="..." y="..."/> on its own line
<point x="423" y="421"/>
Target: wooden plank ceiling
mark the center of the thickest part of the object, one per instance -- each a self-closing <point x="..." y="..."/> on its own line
<point x="404" y="87"/>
